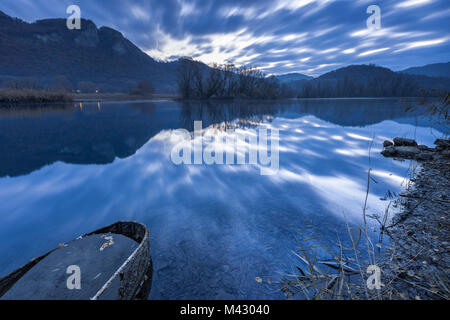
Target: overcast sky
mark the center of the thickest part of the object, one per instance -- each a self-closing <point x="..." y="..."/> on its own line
<point x="279" y="36"/>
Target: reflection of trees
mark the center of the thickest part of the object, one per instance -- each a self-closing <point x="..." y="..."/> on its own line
<point x="35" y="111"/>
<point x="228" y="114"/>
<point x="437" y="109"/>
<point x="145" y="107"/>
<point x="353" y="112"/>
<point x="32" y="138"/>
<point x="245" y="113"/>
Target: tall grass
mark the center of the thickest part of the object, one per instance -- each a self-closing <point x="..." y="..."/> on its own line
<point x="340" y="276"/>
<point x="344" y="274"/>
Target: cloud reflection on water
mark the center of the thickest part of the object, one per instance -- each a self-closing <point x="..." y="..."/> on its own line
<point x="213" y="228"/>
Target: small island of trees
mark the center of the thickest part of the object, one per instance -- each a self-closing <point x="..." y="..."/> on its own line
<point x="198" y="81"/>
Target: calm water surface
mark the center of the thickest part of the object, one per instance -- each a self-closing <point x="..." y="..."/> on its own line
<point x="69" y="170"/>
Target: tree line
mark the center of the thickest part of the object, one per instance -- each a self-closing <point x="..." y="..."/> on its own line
<point x="195" y="80"/>
<point x="398" y="85"/>
<point x="62" y="84"/>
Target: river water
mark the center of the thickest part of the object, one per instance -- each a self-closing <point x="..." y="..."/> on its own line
<point x="217" y="231"/>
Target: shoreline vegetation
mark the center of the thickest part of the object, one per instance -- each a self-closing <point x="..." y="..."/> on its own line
<point x="195" y="80"/>
<point x="13" y="97"/>
<point x="413" y="259"/>
<point x="28" y="92"/>
<point x="27" y="97"/>
<point x="412" y="253"/>
<point x="30" y="97"/>
<point x="198" y="81"/>
<point x="86" y="97"/>
<point x="417" y="265"/>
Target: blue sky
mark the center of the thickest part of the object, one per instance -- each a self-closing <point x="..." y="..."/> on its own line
<point x="279" y="36"/>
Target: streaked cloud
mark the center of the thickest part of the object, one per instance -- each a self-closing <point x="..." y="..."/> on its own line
<point x="139" y="13"/>
<point x="437" y="15"/>
<point x="420" y="44"/>
<point x="412" y="3"/>
<point x="370" y="52"/>
<point x="280" y="36"/>
<point x="349" y="51"/>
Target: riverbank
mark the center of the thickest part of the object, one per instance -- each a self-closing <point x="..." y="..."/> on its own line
<point x="10" y="98"/>
<point x="417" y="263"/>
<point x="412" y="264"/>
<point x="120" y="97"/>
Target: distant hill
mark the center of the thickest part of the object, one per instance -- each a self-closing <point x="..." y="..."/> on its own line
<point x="288" y="77"/>
<point x="431" y="70"/>
<point x="369" y="81"/>
<point x="363" y="72"/>
<point x="47" y="48"/>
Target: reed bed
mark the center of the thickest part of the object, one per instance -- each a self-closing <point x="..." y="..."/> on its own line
<point x="10" y="97"/>
<point x="411" y="266"/>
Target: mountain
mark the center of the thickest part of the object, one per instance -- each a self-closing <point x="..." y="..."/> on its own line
<point x="288" y="77"/>
<point x="369" y="81"/>
<point x="431" y="70"/>
<point x="46" y="49"/>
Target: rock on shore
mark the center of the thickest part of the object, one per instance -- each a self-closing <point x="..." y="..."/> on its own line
<point x="417" y="265"/>
<point x="409" y="149"/>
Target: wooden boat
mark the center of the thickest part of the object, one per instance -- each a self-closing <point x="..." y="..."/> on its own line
<point x="112" y="263"/>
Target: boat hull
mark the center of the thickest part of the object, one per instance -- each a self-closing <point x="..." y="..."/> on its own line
<point x="132" y="280"/>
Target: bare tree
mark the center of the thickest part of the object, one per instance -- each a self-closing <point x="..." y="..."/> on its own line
<point x="225" y="81"/>
<point x="61" y="84"/>
<point x="12" y="84"/>
<point x="215" y="81"/>
<point x="198" y="79"/>
<point x="229" y="79"/>
<point x="144" y="88"/>
<point x="25" y="83"/>
<point x="185" y="77"/>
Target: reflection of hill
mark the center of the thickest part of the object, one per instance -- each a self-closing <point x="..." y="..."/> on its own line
<point x="97" y="134"/>
<point x="29" y="142"/>
<point x="343" y="112"/>
<point x="353" y="112"/>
